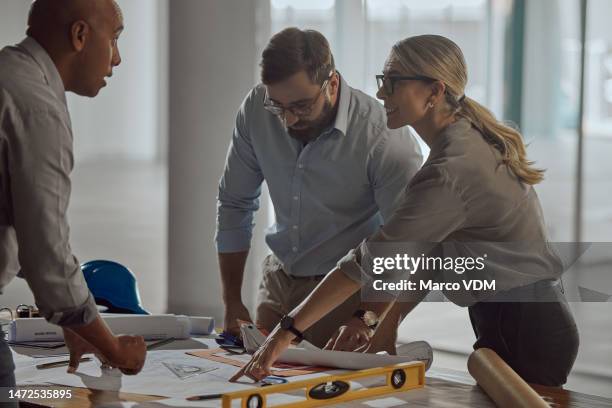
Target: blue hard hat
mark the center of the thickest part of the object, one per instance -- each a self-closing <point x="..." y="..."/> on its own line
<point x="114" y="286"/>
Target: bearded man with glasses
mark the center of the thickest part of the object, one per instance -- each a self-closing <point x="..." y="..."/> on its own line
<point x="335" y="173"/>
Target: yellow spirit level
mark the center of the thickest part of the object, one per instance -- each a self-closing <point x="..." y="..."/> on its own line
<point x="334" y="389"/>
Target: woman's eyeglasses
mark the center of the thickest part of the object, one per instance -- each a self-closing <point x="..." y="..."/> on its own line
<point x="387" y="82"/>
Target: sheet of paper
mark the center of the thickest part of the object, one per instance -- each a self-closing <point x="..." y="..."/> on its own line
<point x="22" y="360"/>
<point x="154" y="379"/>
<point x="315" y="360"/>
<point x="385" y="403"/>
<point x="239" y="360"/>
<point x="245" y="358"/>
<point x="254" y="337"/>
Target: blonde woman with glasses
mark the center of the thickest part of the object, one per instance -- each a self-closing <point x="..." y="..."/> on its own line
<point x="474" y="191"/>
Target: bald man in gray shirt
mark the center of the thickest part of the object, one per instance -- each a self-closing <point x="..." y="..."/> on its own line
<point x="71" y="46"/>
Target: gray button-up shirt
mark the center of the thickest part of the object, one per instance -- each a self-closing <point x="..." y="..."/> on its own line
<point x="35" y="164"/>
<point x="327" y="195"/>
<point x="465" y="198"/>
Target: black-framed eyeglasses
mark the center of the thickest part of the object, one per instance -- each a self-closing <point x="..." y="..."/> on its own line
<point x="301" y="109"/>
<point x="387" y="82"/>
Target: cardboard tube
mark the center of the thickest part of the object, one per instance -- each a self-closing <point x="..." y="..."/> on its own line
<point x="505" y="387"/>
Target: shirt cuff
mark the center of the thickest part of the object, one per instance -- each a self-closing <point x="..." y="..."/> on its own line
<point x="80" y="316"/>
<point x="358" y="265"/>
<point x="351" y="265"/>
<point x="233" y="240"/>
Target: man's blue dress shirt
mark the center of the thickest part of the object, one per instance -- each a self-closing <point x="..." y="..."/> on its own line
<point x="327" y="195"/>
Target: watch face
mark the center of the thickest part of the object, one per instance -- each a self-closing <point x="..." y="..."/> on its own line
<point x="370" y="318"/>
<point x="286" y="322"/>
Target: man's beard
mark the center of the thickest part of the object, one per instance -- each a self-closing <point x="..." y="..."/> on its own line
<point x="309" y="130"/>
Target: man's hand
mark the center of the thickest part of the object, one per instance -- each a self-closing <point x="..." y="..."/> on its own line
<point x="235" y="311"/>
<point x="132" y="354"/>
<point x="128" y="355"/>
<point x="353" y="336"/>
<point x="77" y="346"/>
<point x="231" y="265"/>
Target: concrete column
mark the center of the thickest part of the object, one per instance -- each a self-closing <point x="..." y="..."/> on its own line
<point x="212" y="64"/>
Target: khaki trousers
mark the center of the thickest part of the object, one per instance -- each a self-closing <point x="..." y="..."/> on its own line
<point x="279" y="293"/>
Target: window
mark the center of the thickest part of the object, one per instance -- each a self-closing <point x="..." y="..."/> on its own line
<point x="315" y="14"/>
<point x="361" y="34"/>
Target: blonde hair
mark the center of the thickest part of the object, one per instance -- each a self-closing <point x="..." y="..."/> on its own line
<point x="438" y="57"/>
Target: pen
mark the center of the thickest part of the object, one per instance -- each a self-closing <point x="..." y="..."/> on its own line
<point x="269" y="380"/>
<point x="234" y="349"/>
<point x="204" y="397"/>
<point x="60" y="363"/>
<point x="160" y="343"/>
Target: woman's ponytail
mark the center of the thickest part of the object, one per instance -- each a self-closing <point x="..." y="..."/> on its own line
<point x="504" y="138"/>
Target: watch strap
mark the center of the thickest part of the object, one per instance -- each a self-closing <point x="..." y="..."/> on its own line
<point x="286" y="323"/>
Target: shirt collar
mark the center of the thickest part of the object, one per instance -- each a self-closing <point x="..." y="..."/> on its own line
<point x="47" y="66"/>
<point x="341" y="122"/>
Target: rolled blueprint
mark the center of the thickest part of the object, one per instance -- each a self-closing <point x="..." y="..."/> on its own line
<point x="505" y="387"/>
<point x="307" y="354"/>
<point x="151" y="327"/>
<point x="350" y="360"/>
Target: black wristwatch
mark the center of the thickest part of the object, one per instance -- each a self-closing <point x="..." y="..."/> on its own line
<point x="368" y="318"/>
<point x="286" y="323"/>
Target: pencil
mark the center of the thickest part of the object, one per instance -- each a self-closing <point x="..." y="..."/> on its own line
<point x="60" y="363"/>
<point x="84" y="359"/>
<point x="204" y="397"/>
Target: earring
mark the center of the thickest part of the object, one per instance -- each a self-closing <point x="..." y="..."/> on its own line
<point x="430" y="105"/>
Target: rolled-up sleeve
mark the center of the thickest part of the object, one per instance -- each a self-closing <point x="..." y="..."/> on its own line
<point x="40" y="163"/>
<point x="432" y="209"/>
<point x="239" y="190"/>
<point x="395" y="159"/>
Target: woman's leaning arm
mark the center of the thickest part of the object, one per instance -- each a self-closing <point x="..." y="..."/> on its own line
<point x="333" y="290"/>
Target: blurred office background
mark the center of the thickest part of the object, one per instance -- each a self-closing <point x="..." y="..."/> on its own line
<point x="150" y="148"/>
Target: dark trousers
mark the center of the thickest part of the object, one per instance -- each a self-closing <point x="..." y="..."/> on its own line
<point x="7" y="373"/>
<point x="538" y="339"/>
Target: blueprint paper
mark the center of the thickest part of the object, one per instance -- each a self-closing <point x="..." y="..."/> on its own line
<point x="240" y="360"/>
<point x="154" y="379"/>
<point x="307" y="354"/>
<point x="253" y="338"/>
